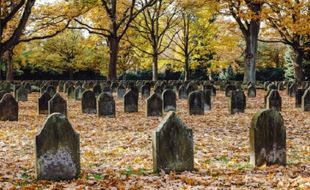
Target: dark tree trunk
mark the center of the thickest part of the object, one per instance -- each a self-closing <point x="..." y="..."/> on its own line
<point x="299" y="74"/>
<point x="186" y="68"/>
<point x="8" y="59"/>
<point x="155" y="65"/>
<point x="114" y="49"/>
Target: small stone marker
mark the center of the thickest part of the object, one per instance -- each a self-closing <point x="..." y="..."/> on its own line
<point x="173" y="146"/>
<point x="154" y="106"/>
<point x="196" y="103"/>
<point x="305" y="101"/>
<point x="274" y="100"/>
<point x="130" y="102"/>
<point x="57" y="149"/>
<point x="43" y="103"/>
<point x="105" y="105"/>
<point x="8" y="108"/>
<point x="237" y="102"/>
<point x="22" y="94"/>
<point x="89" y="102"/>
<point x="267" y="139"/>
<point x="169" y="100"/>
<point x="57" y="104"/>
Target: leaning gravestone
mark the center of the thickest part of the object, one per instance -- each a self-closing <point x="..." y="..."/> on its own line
<point x="105" y="105"/>
<point x="267" y="139"/>
<point x="169" y="100"/>
<point x="130" y="102"/>
<point x="154" y="106"/>
<point x="89" y="102"/>
<point x="8" y="108"/>
<point x="274" y="101"/>
<point x="173" y="146"/>
<point x="305" y="101"/>
<point x="43" y="103"/>
<point x="22" y="94"/>
<point x="57" y="149"/>
<point x="57" y="104"/>
<point x="237" y="102"/>
<point x="196" y="103"/>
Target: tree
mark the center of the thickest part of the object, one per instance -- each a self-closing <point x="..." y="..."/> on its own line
<point x="289" y="67"/>
<point x="119" y="14"/>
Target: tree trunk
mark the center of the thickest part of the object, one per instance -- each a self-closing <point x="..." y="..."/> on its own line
<point x="155" y="66"/>
<point x="186" y="68"/>
<point x="8" y="59"/>
<point x="251" y="52"/>
<point x="114" y="49"/>
<point x="299" y="75"/>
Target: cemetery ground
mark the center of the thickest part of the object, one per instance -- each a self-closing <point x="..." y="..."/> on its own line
<point x="117" y="152"/>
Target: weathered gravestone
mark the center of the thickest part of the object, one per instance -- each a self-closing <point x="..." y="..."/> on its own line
<point x="121" y="91"/>
<point x="57" y="104"/>
<point x="237" y="102"/>
<point x="267" y="139"/>
<point x="89" y="102"/>
<point x="169" y="100"/>
<point x="8" y="108"/>
<point x="182" y="92"/>
<point x="173" y="146"/>
<point x="146" y="90"/>
<point x="57" y="149"/>
<point x="78" y="92"/>
<point x="71" y="92"/>
<point x="43" y="103"/>
<point x="251" y="91"/>
<point x="105" y="105"/>
<point x="154" y="106"/>
<point x="196" y="103"/>
<point x="274" y="101"/>
<point x="298" y="96"/>
<point x="130" y="102"/>
<point x="207" y="99"/>
<point x="22" y="94"/>
<point x="305" y="101"/>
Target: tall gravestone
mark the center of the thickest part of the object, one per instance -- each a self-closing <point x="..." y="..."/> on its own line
<point x="43" y="103"/>
<point x="267" y="139"/>
<point x="173" y="146"/>
<point x="105" y="105"/>
<point x="130" y="102"/>
<point x="57" y="104"/>
<point x="169" y="100"/>
<point x="154" y="106"/>
<point x="305" y="101"/>
<point x="8" y="108"/>
<point x="237" y="102"/>
<point x="57" y="148"/>
<point x="274" y="100"/>
<point x="196" y="103"/>
<point x="89" y="102"/>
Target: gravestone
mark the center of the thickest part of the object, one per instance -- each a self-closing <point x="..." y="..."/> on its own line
<point x="2" y="93"/>
<point x="252" y="91"/>
<point x="121" y="91"/>
<point x="57" y="148"/>
<point x="228" y="89"/>
<point x="298" y="96"/>
<point x="22" y="94"/>
<point x="305" y="101"/>
<point x="267" y="139"/>
<point x="107" y="89"/>
<point x="105" y="105"/>
<point x="190" y="88"/>
<point x="51" y="90"/>
<point x="146" y="91"/>
<point x="237" y="102"/>
<point x="57" y="104"/>
<point x="78" y="92"/>
<point x="182" y="92"/>
<point x="169" y="100"/>
<point x="97" y="89"/>
<point x="292" y="89"/>
<point x="274" y="101"/>
<point x="173" y="146"/>
<point x="61" y="86"/>
<point x="210" y="87"/>
<point x="8" y="108"/>
<point x="43" y="103"/>
<point x="207" y="99"/>
<point x="71" y="92"/>
<point x="130" y="102"/>
<point x="196" y="103"/>
<point x="154" y="106"/>
<point x="272" y="87"/>
<point x="89" y="102"/>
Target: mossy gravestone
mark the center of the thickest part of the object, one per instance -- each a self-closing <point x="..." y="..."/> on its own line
<point x="89" y="102"/>
<point x="274" y="100"/>
<point x="305" y="101"/>
<point x="154" y="106"/>
<point x="169" y="100"/>
<point x="267" y="139"/>
<point x="237" y="102"/>
<point x="173" y="145"/>
<point x="57" y="104"/>
<point x="57" y="149"/>
<point x="43" y="103"/>
<point x="106" y="105"/>
<point x="130" y="102"/>
<point x="196" y="103"/>
<point x="8" y="108"/>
